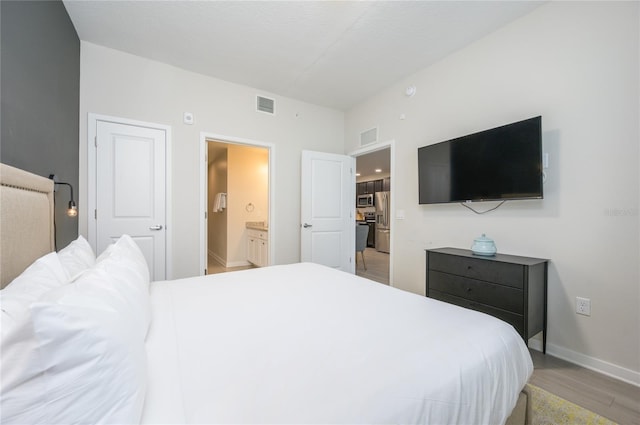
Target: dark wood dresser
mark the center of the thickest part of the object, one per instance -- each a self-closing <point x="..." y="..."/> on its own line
<point x="509" y="287"/>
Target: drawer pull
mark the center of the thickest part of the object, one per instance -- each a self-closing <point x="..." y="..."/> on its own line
<point x="468" y="289"/>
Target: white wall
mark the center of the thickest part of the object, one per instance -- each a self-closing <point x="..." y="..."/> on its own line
<point x="248" y="183"/>
<point x="123" y="85"/>
<point x="576" y="64"/>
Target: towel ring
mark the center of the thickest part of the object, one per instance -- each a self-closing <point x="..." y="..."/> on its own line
<point x="249" y="207"/>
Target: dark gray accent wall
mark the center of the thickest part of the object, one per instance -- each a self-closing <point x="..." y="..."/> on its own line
<point x="40" y="91"/>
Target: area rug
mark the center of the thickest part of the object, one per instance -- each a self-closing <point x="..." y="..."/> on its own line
<point x="549" y="409"/>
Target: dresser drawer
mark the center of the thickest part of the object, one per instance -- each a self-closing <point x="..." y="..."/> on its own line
<point x="500" y="296"/>
<point x="258" y="234"/>
<point x="476" y="268"/>
<point x="510" y="287"/>
<point x="515" y="320"/>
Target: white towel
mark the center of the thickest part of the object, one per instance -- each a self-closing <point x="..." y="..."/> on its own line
<point x="220" y="203"/>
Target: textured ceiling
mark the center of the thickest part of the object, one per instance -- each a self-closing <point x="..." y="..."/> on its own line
<point x="330" y="53"/>
<point x="368" y="163"/>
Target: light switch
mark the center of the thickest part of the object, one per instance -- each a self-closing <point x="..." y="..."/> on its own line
<point x="400" y="214"/>
<point x="187" y="118"/>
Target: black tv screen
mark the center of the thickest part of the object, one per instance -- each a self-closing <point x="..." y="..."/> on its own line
<point x="502" y="163"/>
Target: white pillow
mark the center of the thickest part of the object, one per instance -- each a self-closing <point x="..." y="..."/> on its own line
<point x="77" y="257"/>
<point x="90" y="346"/>
<point x="18" y="345"/>
<point x="124" y="261"/>
<point x="40" y="277"/>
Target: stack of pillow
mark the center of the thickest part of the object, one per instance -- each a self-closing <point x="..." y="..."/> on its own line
<point x="73" y="330"/>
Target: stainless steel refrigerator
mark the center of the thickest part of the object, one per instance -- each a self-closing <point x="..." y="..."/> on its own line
<point x="383" y="221"/>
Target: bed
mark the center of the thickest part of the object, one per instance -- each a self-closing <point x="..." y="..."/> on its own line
<point x="298" y="343"/>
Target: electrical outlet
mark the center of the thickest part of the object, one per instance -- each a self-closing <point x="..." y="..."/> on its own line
<point x="583" y="306"/>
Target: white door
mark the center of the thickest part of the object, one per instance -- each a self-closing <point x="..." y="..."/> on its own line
<point x="131" y="189"/>
<point x="327" y="231"/>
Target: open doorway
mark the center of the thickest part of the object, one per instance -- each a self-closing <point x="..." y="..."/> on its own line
<point x="373" y="209"/>
<point x="237" y="204"/>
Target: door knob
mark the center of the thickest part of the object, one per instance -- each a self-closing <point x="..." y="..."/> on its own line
<point x="307" y="225"/>
<point x="156" y="227"/>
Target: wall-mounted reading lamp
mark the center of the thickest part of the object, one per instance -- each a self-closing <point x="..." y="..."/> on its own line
<point x="72" y="211"/>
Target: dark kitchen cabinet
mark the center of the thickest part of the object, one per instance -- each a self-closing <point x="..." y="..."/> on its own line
<point x="372" y="186"/>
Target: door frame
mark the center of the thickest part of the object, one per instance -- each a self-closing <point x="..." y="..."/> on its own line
<point x="232" y="140"/>
<point x="90" y="213"/>
<point x="373" y="147"/>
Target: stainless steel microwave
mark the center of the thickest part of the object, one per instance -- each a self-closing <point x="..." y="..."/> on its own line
<point x="364" y="200"/>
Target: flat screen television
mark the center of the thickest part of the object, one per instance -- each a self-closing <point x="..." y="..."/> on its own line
<point x="502" y="163"/>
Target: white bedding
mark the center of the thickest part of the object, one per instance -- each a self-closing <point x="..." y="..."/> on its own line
<point x="304" y="343"/>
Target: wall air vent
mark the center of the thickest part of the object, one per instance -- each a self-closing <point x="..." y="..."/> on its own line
<point x="369" y="136"/>
<point x="264" y="104"/>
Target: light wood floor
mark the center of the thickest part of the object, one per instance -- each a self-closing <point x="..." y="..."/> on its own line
<point x="214" y="267"/>
<point x="606" y="396"/>
<point x="377" y="265"/>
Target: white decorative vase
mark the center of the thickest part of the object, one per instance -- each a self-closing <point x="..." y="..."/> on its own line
<point x="483" y="246"/>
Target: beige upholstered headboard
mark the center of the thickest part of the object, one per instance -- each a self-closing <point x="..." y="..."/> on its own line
<point x="26" y="220"/>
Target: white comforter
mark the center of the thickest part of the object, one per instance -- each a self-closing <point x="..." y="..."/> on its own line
<point x="304" y="343"/>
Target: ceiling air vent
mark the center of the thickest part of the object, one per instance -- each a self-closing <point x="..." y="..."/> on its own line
<point x="369" y="136"/>
<point x="264" y="104"/>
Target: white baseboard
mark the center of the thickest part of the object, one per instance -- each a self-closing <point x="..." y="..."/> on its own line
<point x="618" y="372"/>
<point x="224" y="263"/>
<point x="215" y="257"/>
<point x="535" y="344"/>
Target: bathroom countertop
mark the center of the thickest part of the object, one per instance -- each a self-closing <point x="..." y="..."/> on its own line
<point x="257" y="225"/>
